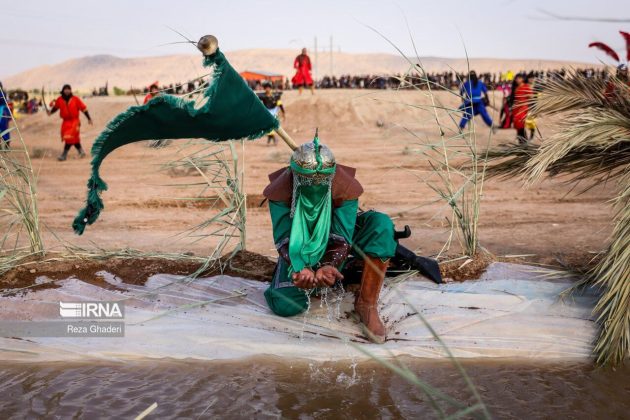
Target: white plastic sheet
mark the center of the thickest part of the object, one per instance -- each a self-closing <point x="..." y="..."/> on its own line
<point x="511" y="312"/>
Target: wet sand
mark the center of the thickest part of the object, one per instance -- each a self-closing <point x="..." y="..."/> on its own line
<point x="272" y="388"/>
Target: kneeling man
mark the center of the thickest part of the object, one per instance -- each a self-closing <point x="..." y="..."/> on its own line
<point x="314" y="205"/>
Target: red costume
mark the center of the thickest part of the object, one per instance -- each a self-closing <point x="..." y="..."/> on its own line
<point x="522" y="96"/>
<point x="148" y="98"/>
<point x="69" y="112"/>
<point x="302" y="65"/>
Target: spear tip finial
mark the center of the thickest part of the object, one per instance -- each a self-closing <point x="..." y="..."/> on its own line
<point x="208" y="44"/>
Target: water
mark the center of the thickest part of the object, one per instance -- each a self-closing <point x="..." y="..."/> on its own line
<point x="272" y="388"/>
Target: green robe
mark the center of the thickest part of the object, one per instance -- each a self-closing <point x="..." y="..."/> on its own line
<point x="369" y="233"/>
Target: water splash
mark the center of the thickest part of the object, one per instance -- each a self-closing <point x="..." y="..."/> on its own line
<point x="306" y="313"/>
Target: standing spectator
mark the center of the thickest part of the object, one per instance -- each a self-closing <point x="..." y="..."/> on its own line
<point x="5" y="119"/>
<point x="154" y="91"/>
<point x="522" y="95"/>
<point x="272" y="102"/>
<point x="302" y="78"/>
<point x="622" y="75"/>
<point x="475" y="98"/>
<point x="69" y="106"/>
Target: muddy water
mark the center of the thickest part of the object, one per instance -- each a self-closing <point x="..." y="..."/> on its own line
<point x="271" y="388"/>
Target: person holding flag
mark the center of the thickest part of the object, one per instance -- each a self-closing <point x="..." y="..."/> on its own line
<point x="313" y="202"/>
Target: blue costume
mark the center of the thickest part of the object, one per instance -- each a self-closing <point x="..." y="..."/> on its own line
<point x="5" y="118"/>
<point x="473" y="102"/>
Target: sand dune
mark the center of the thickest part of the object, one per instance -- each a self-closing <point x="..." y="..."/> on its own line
<point x="88" y="72"/>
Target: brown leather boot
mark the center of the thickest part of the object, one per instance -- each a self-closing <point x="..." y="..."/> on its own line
<point x="366" y="302"/>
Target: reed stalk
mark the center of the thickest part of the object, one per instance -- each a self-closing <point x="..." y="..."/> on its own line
<point x="19" y="215"/>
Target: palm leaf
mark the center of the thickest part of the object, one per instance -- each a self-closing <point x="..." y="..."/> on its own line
<point x="592" y="143"/>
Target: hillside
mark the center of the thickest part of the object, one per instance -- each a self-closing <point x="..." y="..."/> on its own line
<point x="88" y="72"/>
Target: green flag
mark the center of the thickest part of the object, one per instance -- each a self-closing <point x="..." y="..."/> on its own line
<point x="232" y="111"/>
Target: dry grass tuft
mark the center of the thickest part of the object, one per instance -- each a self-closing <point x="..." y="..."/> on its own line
<point x="19" y="216"/>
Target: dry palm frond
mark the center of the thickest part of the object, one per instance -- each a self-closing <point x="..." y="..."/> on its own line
<point x="613" y="275"/>
<point x="593" y="139"/>
<point x="587" y="163"/>
<point x="595" y="130"/>
<point x="508" y="160"/>
<point x="599" y="131"/>
<point x="592" y="143"/>
<point x="577" y="92"/>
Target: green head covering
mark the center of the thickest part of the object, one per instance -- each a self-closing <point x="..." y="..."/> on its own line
<point x="231" y="111"/>
<point x="313" y="166"/>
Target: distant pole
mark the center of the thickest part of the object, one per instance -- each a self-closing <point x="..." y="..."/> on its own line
<point x="331" y="56"/>
<point x="315" y="58"/>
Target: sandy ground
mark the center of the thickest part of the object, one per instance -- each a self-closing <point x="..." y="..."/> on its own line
<point x="142" y="212"/>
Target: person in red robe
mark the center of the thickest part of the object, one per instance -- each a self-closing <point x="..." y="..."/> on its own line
<point x="302" y="66"/>
<point x="522" y="95"/>
<point x="611" y="87"/>
<point x="154" y="91"/>
<point x="69" y="106"/>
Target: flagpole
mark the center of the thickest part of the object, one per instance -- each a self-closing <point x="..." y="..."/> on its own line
<point x="244" y="195"/>
<point x="209" y="44"/>
<point x="287" y="139"/>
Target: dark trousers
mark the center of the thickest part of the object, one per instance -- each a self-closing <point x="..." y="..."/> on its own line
<point x="67" y="147"/>
<point x="522" y="137"/>
<point x="477" y="108"/>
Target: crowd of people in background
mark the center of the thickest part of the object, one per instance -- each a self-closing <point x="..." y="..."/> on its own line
<point x="20" y="101"/>
<point x="440" y="80"/>
<point x="188" y="87"/>
<point x="518" y="90"/>
<point x="176" y="88"/>
<point x="437" y="80"/>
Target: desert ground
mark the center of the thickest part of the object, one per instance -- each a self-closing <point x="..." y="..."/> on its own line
<point x="377" y="132"/>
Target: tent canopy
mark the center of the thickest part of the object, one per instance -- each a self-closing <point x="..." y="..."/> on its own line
<point x="254" y="75"/>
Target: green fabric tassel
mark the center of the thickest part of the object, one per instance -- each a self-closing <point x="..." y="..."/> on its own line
<point x="312" y="214"/>
<point x="232" y="111"/>
<point x="310" y="227"/>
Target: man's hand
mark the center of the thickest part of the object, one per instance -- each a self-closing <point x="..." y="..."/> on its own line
<point x="327" y="275"/>
<point x="305" y="279"/>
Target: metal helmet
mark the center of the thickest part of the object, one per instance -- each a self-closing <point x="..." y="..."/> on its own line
<point x="312" y="164"/>
<point x="305" y="156"/>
